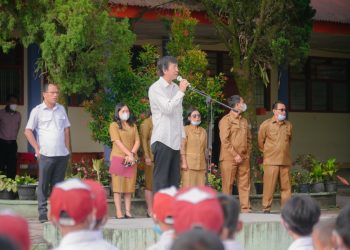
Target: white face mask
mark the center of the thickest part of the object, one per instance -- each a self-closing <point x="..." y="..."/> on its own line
<point x="125" y="116"/>
<point x="195" y="123"/>
<point x="13" y="107"/>
<point x="244" y="107"/>
<point x="281" y="117"/>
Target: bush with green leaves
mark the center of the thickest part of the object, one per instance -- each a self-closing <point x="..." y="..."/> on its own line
<point x="7" y="184"/>
<point x="330" y="169"/>
<point x="25" y="180"/>
<point x="300" y="175"/>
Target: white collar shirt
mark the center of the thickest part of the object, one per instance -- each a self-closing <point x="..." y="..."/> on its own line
<point x="165" y="241"/>
<point x="302" y="243"/>
<point x="49" y="125"/>
<point x="166" y="107"/>
<point x="85" y="240"/>
<point x="231" y="244"/>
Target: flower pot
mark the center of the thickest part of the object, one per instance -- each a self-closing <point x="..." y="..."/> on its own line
<point x="304" y="188"/>
<point x="7" y="195"/>
<point x="331" y="186"/>
<point x="234" y="190"/>
<point x="259" y="187"/>
<point x="317" y="187"/>
<point x="27" y="192"/>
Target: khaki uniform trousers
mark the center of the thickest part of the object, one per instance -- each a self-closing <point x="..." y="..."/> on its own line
<point x="192" y="178"/>
<point x="229" y="171"/>
<point x="271" y="175"/>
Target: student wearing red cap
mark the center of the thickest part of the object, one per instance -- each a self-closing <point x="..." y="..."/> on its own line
<point x="197" y="207"/>
<point x="72" y="211"/>
<point x="163" y="218"/>
<point x="15" y="228"/>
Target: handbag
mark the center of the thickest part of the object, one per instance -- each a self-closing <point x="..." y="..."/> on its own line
<point x="118" y="167"/>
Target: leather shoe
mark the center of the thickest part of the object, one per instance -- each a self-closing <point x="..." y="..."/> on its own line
<point x="129" y="216"/>
<point x="43" y="218"/>
<point x="266" y="212"/>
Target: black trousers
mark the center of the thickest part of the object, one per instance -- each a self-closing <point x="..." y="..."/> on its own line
<point x="166" y="171"/>
<point x="8" y="157"/>
<point x="51" y="171"/>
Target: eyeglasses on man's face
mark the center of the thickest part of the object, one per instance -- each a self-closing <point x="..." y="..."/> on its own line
<point x="196" y="115"/>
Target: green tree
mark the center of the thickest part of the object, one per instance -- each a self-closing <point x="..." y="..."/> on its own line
<point x="193" y="63"/>
<point x="260" y="34"/>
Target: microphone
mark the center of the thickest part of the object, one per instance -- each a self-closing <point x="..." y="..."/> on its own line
<point x="179" y="78"/>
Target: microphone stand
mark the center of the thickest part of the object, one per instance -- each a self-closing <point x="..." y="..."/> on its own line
<point x="209" y="101"/>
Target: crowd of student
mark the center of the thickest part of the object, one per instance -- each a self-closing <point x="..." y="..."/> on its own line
<point x="195" y="218"/>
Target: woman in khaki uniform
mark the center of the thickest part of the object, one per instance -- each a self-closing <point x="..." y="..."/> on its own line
<point x="146" y="132"/>
<point x="193" y="149"/>
<point x="126" y="142"/>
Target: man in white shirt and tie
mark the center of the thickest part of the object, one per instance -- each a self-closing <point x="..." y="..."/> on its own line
<point x="51" y="145"/>
<point x="166" y="107"/>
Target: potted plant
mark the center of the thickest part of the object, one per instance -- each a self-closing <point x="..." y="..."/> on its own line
<point x="317" y="176"/>
<point x="300" y="179"/>
<point x="214" y="177"/>
<point x="8" y="188"/>
<point x="330" y="169"/>
<point x="102" y="174"/>
<point x="26" y="187"/>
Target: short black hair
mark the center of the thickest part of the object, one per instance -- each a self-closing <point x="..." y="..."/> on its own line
<point x="7" y="243"/>
<point x="342" y="225"/>
<point x="163" y="63"/>
<point x="274" y="105"/>
<point x="197" y="239"/>
<point x="231" y="209"/>
<point x="233" y="100"/>
<point x="301" y="213"/>
<point x="46" y="86"/>
<point x="9" y="97"/>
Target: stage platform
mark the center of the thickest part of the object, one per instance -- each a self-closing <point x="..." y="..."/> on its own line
<point x="260" y="232"/>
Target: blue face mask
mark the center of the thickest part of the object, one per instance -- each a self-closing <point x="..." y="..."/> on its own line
<point x="157" y="229"/>
<point x="281" y="117"/>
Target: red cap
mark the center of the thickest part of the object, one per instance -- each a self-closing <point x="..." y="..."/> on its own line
<point x="15" y="228"/>
<point x="73" y="197"/>
<point x="100" y="198"/>
<point x="163" y="205"/>
<point x="197" y="207"/>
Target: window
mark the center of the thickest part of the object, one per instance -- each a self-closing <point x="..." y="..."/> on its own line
<point x="11" y="74"/>
<point x="219" y="61"/>
<point x="322" y="85"/>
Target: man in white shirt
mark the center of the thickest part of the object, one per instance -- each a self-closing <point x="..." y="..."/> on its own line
<point x="73" y="212"/>
<point x="166" y="107"/>
<point x="51" y="145"/>
<point x="299" y="215"/>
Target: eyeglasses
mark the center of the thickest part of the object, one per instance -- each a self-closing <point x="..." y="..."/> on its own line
<point x="282" y="110"/>
<point x="196" y="115"/>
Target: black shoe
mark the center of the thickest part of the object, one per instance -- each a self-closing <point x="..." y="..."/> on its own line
<point x="266" y="212"/>
<point x="129" y="217"/>
<point x="43" y="218"/>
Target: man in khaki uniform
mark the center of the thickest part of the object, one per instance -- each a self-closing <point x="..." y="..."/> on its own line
<point x="145" y="134"/>
<point x="235" y="151"/>
<point x="274" y="139"/>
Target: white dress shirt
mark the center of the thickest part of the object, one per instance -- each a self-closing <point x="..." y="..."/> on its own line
<point x="85" y="240"/>
<point x="303" y="243"/>
<point x="165" y="241"/>
<point x="231" y="244"/>
<point x="166" y="107"/>
<point x="49" y="125"/>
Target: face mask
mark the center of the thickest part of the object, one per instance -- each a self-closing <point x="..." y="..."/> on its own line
<point x="195" y="123"/>
<point x="13" y="107"/>
<point x="124" y="116"/>
<point x="157" y="230"/>
<point x="281" y="117"/>
<point x="244" y="107"/>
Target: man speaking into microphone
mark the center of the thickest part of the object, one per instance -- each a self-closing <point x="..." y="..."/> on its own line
<point x="166" y="106"/>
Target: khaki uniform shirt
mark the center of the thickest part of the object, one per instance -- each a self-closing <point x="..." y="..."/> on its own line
<point x="235" y="136"/>
<point x="145" y="133"/>
<point x="128" y="136"/>
<point x="194" y="147"/>
<point x="274" y="142"/>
